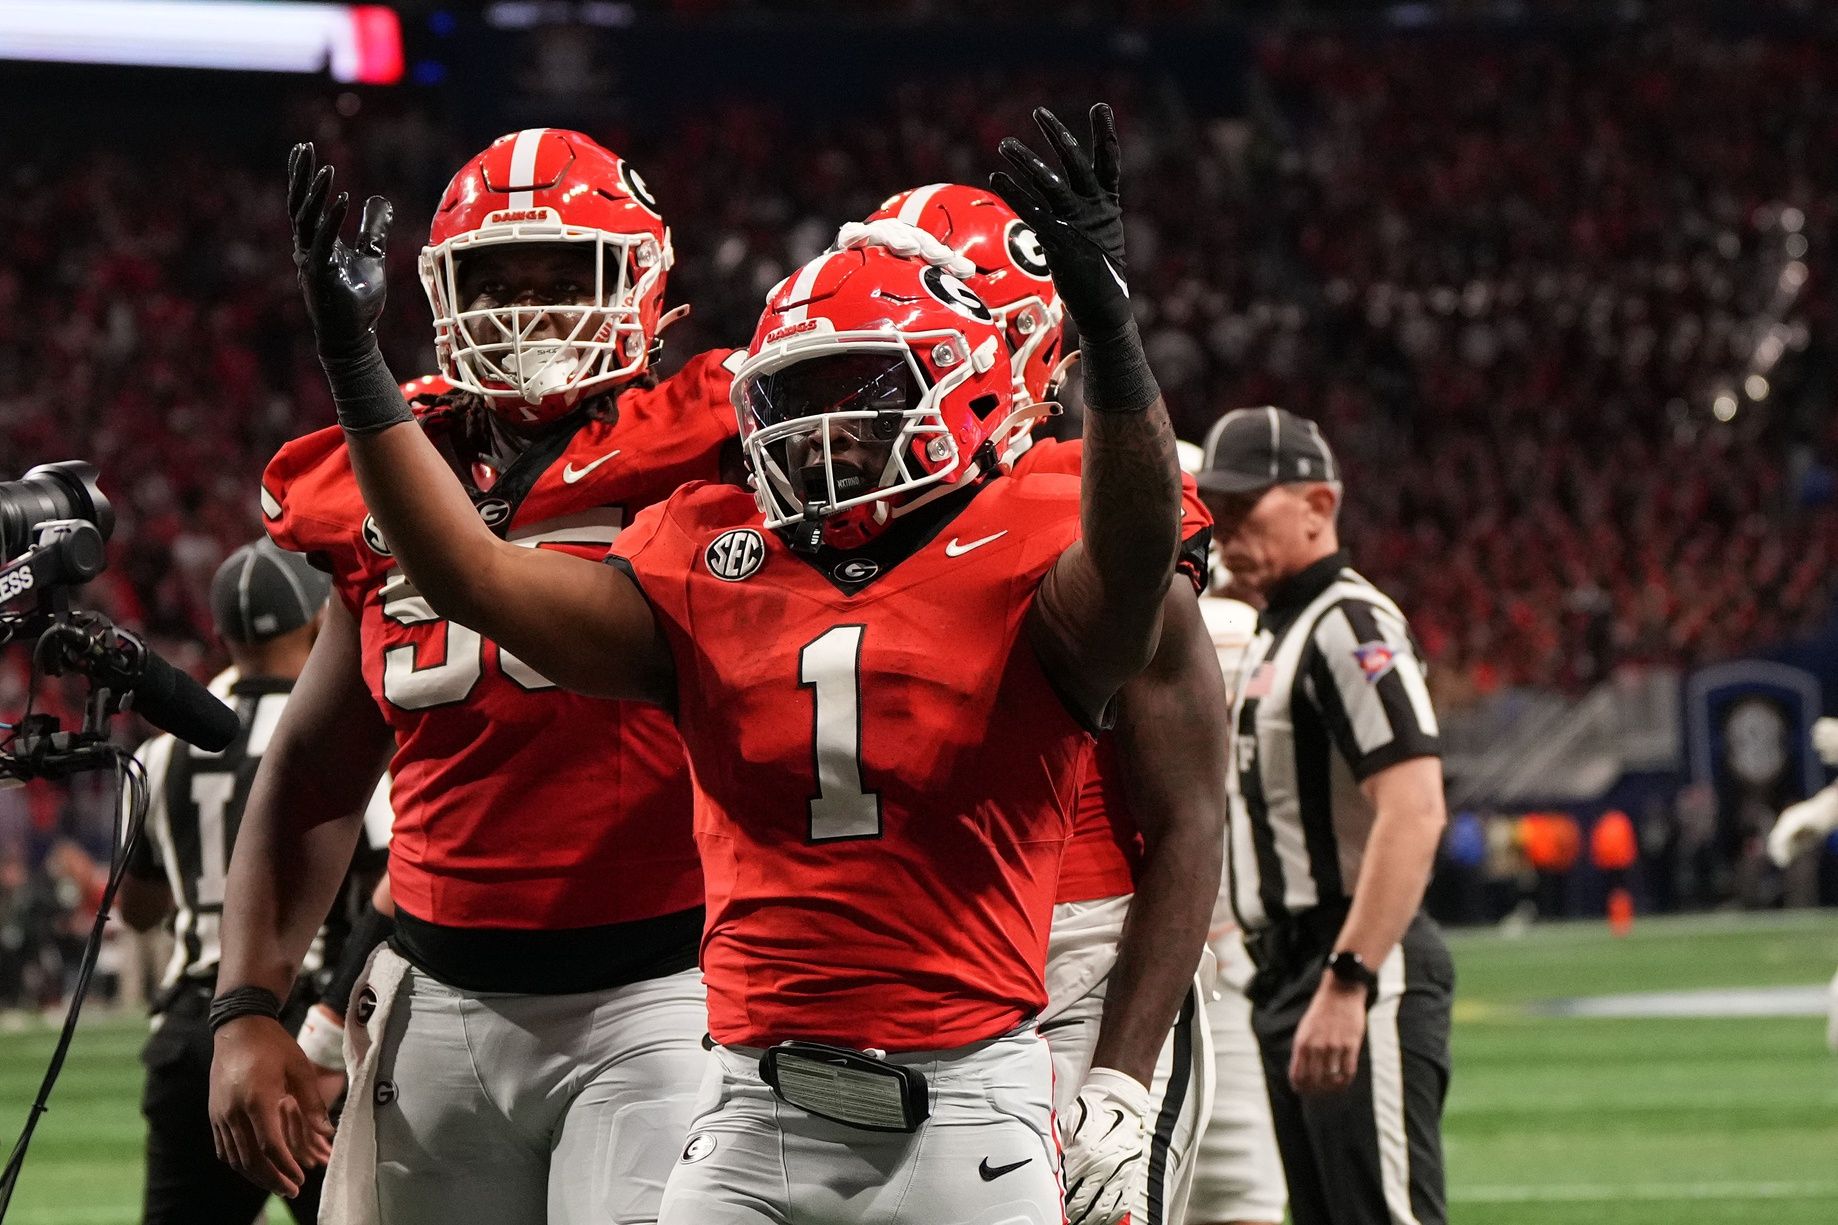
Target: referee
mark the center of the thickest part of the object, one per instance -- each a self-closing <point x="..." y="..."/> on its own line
<point x="266" y="603"/>
<point x="1337" y="809"/>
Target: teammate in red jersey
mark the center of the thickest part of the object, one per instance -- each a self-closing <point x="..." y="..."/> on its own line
<point x="884" y="664"/>
<point x="1125" y="1016"/>
<point x="540" y="1057"/>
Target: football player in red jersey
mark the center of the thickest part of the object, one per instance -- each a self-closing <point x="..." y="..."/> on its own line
<point x="885" y="664"/>
<point x="1125" y="1016"/>
<point x="542" y="1053"/>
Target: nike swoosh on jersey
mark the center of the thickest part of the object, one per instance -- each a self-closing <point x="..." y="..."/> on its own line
<point x="954" y="549"/>
<point x="571" y="474"/>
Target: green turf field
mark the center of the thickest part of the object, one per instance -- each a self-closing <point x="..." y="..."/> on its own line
<point x="1712" y="1121"/>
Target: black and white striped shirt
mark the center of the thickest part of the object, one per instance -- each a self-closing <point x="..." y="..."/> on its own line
<point x="196" y="806"/>
<point x="1330" y="692"/>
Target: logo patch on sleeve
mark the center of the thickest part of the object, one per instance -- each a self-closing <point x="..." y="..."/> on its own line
<point x="736" y="554"/>
<point x="1375" y="659"/>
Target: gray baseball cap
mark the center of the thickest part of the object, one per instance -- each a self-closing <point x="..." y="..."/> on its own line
<point x="1254" y="448"/>
<point x="263" y="591"/>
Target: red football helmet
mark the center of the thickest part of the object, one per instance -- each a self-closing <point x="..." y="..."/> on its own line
<point x="864" y="353"/>
<point x="543" y="187"/>
<point x="1012" y="275"/>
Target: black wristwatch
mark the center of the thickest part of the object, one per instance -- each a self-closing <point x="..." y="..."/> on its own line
<point x="1350" y="968"/>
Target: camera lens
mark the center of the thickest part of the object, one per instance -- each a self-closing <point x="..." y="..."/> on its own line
<point x="66" y="490"/>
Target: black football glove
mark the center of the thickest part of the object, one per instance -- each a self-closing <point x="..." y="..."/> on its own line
<point x="343" y="286"/>
<point x="1077" y="217"/>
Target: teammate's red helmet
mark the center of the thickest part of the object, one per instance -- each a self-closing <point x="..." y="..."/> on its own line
<point x="543" y="187"/>
<point x="867" y="345"/>
<point x="1011" y="272"/>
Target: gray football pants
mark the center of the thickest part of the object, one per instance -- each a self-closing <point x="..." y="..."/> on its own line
<point x="986" y="1156"/>
<point x="534" y="1109"/>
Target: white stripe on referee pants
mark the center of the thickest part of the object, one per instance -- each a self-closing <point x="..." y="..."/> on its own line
<point x="1386" y="1055"/>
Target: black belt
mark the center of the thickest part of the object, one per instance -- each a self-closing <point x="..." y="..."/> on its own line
<point x="567" y="961"/>
<point x="1303" y="939"/>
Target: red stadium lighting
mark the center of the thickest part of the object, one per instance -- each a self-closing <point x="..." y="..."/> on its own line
<point x="356" y="43"/>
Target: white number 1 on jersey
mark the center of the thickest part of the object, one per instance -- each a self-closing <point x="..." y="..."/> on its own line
<point x="830" y="667"/>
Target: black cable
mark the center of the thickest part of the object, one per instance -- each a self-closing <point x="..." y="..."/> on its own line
<point x="132" y="787"/>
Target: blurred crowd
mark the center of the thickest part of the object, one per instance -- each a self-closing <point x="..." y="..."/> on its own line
<point x="1560" y="303"/>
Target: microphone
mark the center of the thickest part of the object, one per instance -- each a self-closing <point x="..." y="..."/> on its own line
<point x="173" y="702"/>
<point x="165" y="696"/>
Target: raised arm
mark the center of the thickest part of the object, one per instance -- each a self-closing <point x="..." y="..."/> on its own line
<point x="1098" y="614"/>
<point x="583" y="625"/>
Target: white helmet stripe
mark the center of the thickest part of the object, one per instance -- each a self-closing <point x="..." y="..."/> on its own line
<point x="916" y="200"/>
<point x="523" y="164"/>
<point x="800" y="290"/>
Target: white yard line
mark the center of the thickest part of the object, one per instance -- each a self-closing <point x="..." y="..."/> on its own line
<point x="1590" y="1192"/>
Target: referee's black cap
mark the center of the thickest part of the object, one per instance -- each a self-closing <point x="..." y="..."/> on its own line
<point x="1254" y="448"/>
<point x="263" y="591"/>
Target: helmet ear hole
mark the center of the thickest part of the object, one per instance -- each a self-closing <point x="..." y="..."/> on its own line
<point x="982" y="406"/>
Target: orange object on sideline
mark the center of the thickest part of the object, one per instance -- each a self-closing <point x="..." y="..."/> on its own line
<point x="1612" y="845"/>
<point x="1620" y="911"/>
<point x="1551" y="840"/>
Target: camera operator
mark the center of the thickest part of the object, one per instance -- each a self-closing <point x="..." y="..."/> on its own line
<point x="267" y="604"/>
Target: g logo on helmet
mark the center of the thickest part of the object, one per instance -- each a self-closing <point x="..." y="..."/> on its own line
<point x="735" y="555"/>
<point x="700" y="1145"/>
<point x="954" y="294"/>
<point x="1024" y="248"/>
<point x="635" y="184"/>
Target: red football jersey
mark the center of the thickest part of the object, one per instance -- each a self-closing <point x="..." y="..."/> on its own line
<point x="519" y="805"/>
<point x="884" y="774"/>
<point x="1106" y="847"/>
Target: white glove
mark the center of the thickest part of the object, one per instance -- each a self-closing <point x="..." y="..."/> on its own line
<point x="1106" y="1148"/>
<point x="1825" y="740"/>
<point x="322" y="1037"/>
<point x="1800" y="826"/>
<point x="903" y="239"/>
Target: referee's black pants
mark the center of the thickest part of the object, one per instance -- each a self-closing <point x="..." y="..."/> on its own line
<point x="1371" y="1154"/>
<point x="186" y="1184"/>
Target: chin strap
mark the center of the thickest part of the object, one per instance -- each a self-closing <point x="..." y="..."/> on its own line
<point x="1062" y="370"/>
<point x="656" y="352"/>
<point x="1015" y="434"/>
<point x="806" y="535"/>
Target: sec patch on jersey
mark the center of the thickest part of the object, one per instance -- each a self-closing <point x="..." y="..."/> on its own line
<point x="735" y="555"/>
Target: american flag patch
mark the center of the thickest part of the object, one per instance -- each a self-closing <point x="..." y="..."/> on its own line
<point x="1259" y="684"/>
<point x="1375" y="659"/>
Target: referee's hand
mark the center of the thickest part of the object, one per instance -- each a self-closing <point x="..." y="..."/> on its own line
<point x="1325" y="1054"/>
